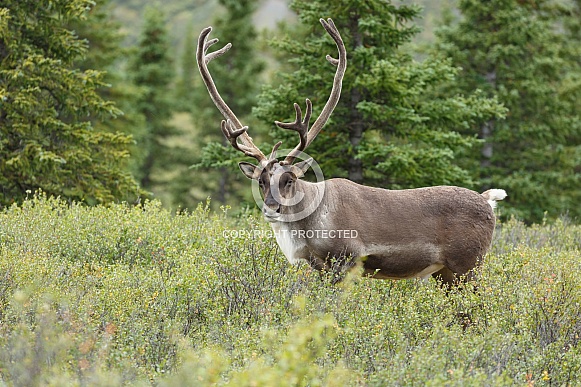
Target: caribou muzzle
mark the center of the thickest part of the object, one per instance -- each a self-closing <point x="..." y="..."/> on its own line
<point x="271" y="210"/>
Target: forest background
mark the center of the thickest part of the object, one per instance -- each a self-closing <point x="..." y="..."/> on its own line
<point x="101" y="101"/>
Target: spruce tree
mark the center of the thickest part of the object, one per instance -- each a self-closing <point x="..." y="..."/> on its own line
<point x="518" y="52"/>
<point x="185" y="87"/>
<point x="152" y="71"/>
<point x="47" y="137"/>
<point x="106" y="52"/>
<point x="394" y="126"/>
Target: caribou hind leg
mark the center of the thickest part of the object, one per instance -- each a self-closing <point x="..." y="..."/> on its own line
<point x="446" y="277"/>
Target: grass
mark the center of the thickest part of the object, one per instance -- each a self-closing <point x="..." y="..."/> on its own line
<point x="138" y="295"/>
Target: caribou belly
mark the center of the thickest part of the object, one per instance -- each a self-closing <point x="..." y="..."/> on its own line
<point x="402" y="261"/>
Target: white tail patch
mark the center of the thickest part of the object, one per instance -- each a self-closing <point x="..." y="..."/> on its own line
<point x="492" y="195"/>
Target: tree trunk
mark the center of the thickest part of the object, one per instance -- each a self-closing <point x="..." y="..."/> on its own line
<point x="487" y="149"/>
<point x="147" y="168"/>
<point x="356" y="125"/>
<point x="222" y="187"/>
<point x="485" y="134"/>
<point x="356" y="128"/>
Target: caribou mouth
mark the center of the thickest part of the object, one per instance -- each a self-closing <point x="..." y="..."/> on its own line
<point x="271" y="219"/>
<point x="270" y="215"/>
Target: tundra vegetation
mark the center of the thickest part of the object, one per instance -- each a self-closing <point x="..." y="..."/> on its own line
<point x="138" y="295"/>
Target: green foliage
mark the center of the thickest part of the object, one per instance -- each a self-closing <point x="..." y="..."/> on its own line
<point x="179" y="14"/>
<point x="134" y="295"/>
<point x="105" y="52"/>
<point x="102" y="36"/>
<point x="519" y="52"/>
<point x="152" y="71"/>
<point x="186" y="84"/>
<point x="394" y="126"/>
<point x="47" y="139"/>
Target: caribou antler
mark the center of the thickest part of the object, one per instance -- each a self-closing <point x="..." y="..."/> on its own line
<point x="231" y="126"/>
<point x="301" y="125"/>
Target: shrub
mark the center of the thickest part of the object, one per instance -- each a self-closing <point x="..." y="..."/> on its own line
<point x="138" y="295"/>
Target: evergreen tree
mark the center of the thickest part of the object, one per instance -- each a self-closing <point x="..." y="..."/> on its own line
<point x="237" y="75"/>
<point x="515" y="51"/>
<point x="185" y="87"/>
<point x="185" y="182"/>
<point x="105" y="52"/>
<point x="102" y="35"/>
<point x="47" y="140"/>
<point x="393" y="126"/>
<point x="573" y="25"/>
<point x="152" y="71"/>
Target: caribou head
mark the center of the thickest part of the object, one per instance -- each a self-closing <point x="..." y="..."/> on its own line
<point x="441" y="231"/>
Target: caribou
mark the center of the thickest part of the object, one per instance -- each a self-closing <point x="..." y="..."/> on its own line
<point x="336" y="224"/>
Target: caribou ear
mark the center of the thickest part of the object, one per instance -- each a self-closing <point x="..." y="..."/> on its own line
<point x="250" y="170"/>
<point x="302" y="167"/>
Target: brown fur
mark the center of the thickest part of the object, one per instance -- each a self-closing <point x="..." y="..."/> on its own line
<point x="405" y="230"/>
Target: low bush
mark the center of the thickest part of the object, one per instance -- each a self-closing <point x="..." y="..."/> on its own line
<point x="138" y="295"/>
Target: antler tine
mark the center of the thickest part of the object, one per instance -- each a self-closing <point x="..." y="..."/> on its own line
<point x="274" y="149"/>
<point x="299" y="125"/>
<point x="341" y="64"/>
<point x="217" y="53"/>
<point x="232" y="134"/>
<point x="231" y="127"/>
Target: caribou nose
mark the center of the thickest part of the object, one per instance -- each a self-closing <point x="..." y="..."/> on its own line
<point x="271" y="213"/>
